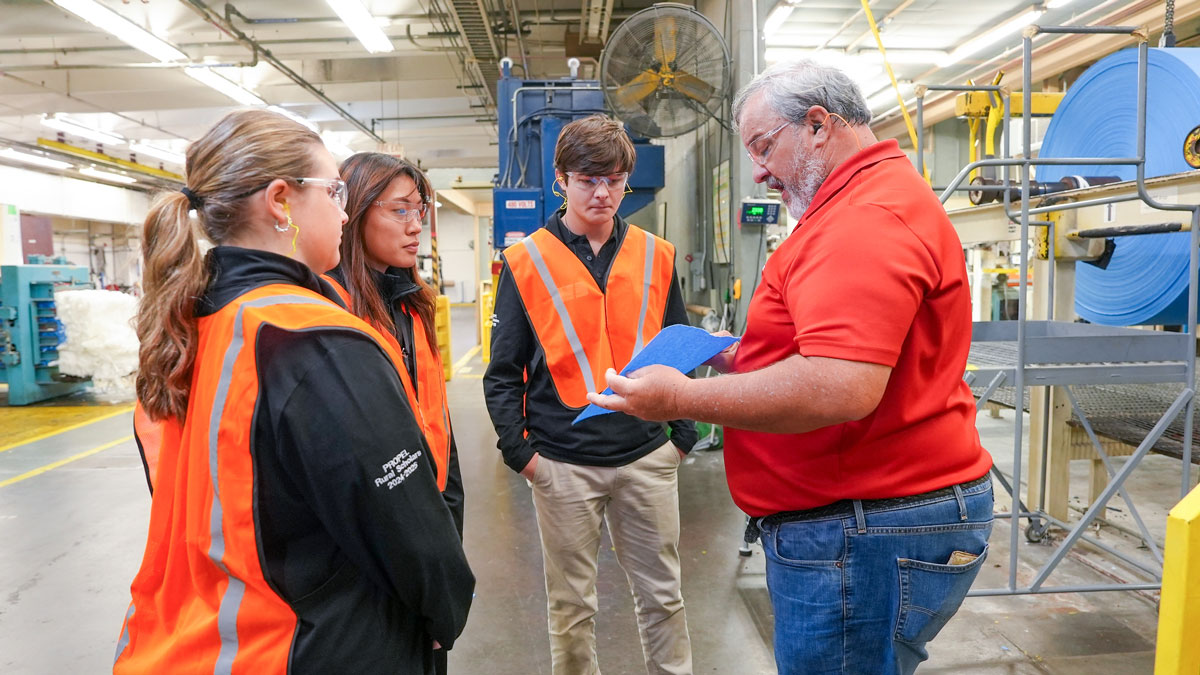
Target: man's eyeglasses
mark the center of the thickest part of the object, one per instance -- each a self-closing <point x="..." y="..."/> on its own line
<point x="403" y="211"/>
<point x="336" y="187"/>
<point x="616" y="181"/>
<point x="757" y="149"/>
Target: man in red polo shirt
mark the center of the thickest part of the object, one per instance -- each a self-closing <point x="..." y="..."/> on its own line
<point x="850" y="434"/>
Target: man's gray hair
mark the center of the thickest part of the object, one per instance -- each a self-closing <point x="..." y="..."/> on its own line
<point x="791" y="88"/>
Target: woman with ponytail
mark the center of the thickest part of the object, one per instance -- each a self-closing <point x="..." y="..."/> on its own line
<point x="387" y="198"/>
<point x="296" y="523"/>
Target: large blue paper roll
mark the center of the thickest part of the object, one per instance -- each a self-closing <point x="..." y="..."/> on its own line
<point x="1146" y="281"/>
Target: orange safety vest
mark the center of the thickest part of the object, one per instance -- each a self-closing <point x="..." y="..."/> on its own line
<point x="582" y="330"/>
<point x="149" y="435"/>
<point x="429" y="397"/>
<point x="200" y="593"/>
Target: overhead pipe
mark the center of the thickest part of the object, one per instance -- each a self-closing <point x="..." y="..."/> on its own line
<point x="232" y="31"/>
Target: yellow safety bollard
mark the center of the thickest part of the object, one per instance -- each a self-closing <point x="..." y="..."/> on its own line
<point x="487" y="305"/>
<point x="442" y="323"/>
<point x="1178" y="650"/>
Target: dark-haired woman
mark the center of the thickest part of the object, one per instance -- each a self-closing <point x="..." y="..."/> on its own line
<point x="387" y="199"/>
<point x="296" y="525"/>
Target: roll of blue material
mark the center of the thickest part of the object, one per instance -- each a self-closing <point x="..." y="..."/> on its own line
<point x="1146" y="281"/>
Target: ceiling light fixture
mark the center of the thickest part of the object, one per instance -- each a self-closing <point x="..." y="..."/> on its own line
<point x="105" y="175"/>
<point x="60" y="123"/>
<point x="294" y="116"/>
<point x="903" y="56"/>
<point x="224" y="85"/>
<point x="777" y="16"/>
<point x="991" y="37"/>
<point x="123" y="29"/>
<point x="17" y="156"/>
<point x="336" y="147"/>
<point x="887" y="96"/>
<point x="158" y="153"/>
<point x="364" y="26"/>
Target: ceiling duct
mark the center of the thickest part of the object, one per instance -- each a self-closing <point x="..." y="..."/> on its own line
<point x="597" y="14"/>
<point x="476" y="35"/>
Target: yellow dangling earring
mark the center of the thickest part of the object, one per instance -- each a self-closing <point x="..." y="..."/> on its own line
<point x="287" y="211"/>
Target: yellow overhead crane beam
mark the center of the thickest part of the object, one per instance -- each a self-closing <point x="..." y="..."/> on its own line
<point x="980" y="103"/>
<point x="107" y="159"/>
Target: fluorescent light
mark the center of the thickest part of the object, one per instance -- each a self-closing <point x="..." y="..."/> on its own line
<point x="1055" y="4"/>
<point x="72" y="127"/>
<point x="293" y="116"/>
<point x="362" y="24"/>
<point x="886" y="96"/>
<point x="121" y="28"/>
<point x="9" y="153"/>
<point x="219" y="82"/>
<point x="776" y="18"/>
<point x="917" y="56"/>
<point x="158" y="153"/>
<point x="336" y="147"/>
<point x="991" y="37"/>
<point x="104" y="175"/>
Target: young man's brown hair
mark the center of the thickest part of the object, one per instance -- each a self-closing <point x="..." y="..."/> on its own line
<point x="594" y="146"/>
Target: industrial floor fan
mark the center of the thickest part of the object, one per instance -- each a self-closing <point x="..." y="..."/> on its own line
<point x="665" y="71"/>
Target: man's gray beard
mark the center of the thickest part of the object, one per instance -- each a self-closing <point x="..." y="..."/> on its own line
<point x="806" y="178"/>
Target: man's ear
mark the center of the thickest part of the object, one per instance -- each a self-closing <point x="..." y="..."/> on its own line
<point x="816" y="116"/>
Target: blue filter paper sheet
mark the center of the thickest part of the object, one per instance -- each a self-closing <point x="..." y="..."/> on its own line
<point x="683" y="348"/>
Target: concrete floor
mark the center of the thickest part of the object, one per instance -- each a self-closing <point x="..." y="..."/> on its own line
<point x="74" y="535"/>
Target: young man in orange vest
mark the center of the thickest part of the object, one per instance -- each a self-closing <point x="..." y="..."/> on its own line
<point x="577" y="297"/>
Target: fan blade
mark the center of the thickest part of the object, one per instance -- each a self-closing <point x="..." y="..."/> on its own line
<point x="664" y="40"/>
<point x="632" y="92"/>
<point x="693" y="87"/>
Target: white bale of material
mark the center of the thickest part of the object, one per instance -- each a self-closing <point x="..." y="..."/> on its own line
<point x="100" y="340"/>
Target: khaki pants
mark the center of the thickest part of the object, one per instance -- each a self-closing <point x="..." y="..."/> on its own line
<point x="640" y="502"/>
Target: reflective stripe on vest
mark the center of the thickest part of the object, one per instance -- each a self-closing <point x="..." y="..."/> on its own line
<point x="428" y="398"/>
<point x="584" y="331"/>
<point x="205" y="491"/>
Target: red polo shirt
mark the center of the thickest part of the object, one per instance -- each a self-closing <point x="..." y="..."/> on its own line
<point x="873" y="272"/>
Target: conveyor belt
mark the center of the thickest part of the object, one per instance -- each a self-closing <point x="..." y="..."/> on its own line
<point x="1124" y="412"/>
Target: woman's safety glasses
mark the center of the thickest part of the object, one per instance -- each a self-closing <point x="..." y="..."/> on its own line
<point x="403" y="211"/>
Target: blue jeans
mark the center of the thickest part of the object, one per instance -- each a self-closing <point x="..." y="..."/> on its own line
<point x="863" y="593"/>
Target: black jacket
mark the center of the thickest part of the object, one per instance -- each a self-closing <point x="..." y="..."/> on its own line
<point x="517" y="405"/>
<point x="394" y="285"/>
<point x="373" y="575"/>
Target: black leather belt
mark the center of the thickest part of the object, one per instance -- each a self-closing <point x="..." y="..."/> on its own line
<point x="846" y="506"/>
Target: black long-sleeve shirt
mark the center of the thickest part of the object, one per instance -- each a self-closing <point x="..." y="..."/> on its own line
<point x="394" y="286"/>
<point x="374" y="574"/>
<point x="517" y="405"/>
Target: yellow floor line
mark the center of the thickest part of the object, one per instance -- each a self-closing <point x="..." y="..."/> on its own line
<point x="120" y="411"/>
<point x="462" y="304"/>
<point x="471" y="376"/>
<point x="459" y="364"/>
<point x="54" y="465"/>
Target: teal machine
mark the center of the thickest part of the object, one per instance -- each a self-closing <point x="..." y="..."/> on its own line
<point x="30" y="332"/>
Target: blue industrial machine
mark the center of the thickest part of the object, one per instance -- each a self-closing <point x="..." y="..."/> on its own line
<point x="30" y="332"/>
<point x="531" y="113"/>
